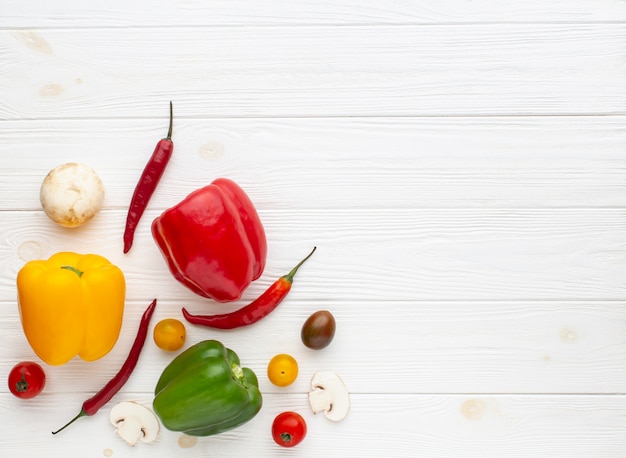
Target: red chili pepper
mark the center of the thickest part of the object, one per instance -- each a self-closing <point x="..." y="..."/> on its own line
<point x="94" y="403"/>
<point x="147" y="184"/>
<point x="255" y="310"/>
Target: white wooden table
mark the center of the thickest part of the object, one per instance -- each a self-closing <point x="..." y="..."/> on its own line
<point x="460" y="165"/>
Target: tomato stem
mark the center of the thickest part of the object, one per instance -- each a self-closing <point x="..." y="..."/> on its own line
<point x="22" y="385"/>
<point x="286" y="437"/>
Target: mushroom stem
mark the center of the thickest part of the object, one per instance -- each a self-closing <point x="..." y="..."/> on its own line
<point x="320" y="400"/>
<point x="130" y="430"/>
<point x="329" y="395"/>
<point x="134" y="421"/>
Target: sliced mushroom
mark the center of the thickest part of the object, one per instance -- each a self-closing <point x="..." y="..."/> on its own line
<point x="133" y="421"/>
<point x="329" y="395"/>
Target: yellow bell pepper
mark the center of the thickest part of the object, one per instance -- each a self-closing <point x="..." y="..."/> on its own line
<point x="71" y="304"/>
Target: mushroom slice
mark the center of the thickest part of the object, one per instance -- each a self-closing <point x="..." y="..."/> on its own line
<point x="329" y="395"/>
<point x="133" y="421"/>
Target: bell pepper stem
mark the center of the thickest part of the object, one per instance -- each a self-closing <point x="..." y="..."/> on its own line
<point x="237" y="371"/>
<point x="73" y="269"/>
<point x="292" y="273"/>
<point x="82" y="413"/>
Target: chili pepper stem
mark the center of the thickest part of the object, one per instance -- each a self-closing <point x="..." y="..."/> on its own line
<point x="93" y="404"/>
<point x="169" y="132"/>
<point x="82" y="413"/>
<point x="255" y="310"/>
<point x="292" y="273"/>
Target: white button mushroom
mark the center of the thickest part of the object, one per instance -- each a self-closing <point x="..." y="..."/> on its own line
<point x="71" y="194"/>
<point x="133" y="421"/>
<point x="329" y="395"/>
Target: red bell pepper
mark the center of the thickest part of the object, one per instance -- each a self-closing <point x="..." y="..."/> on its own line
<point x="213" y="241"/>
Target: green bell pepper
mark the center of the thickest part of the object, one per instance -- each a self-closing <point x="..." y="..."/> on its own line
<point x="205" y="391"/>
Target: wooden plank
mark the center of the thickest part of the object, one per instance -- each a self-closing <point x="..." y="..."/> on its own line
<point x="426" y="425"/>
<point x="314" y="71"/>
<point x="162" y="13"/>
<point x="313" y="163"/>
<point x="401" y="347"/>
<point x="383" y="254"/>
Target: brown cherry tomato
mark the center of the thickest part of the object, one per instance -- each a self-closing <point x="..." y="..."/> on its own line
<point x="318" y="330"/>
<point x="27" y="379"/>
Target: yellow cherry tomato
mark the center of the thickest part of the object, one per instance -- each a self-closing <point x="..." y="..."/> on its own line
<point x="282" y="369"/>
<point x="169" y="334"/>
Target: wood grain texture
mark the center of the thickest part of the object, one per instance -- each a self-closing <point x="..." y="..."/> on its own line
<point x="510" y="69"/>
<point x="503" y="347"/>
<point x="429" y="425"/>
<point x="460" y="166"/>
<point x="535" y="162"/>
<point x="163" y="13"/>
<point x="378" y="254"/>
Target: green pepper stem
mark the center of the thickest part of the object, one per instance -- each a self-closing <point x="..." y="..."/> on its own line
<point x="237" y="371"/>
<point x="292" y="273"/>
<point x="169" y="132"/>
<point x="73" y="269"/>
<point x="82" y="413"/>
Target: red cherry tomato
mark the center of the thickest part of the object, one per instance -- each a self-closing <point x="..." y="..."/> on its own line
<point x="288" y="429"/>
<point x="27" y="379"/>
